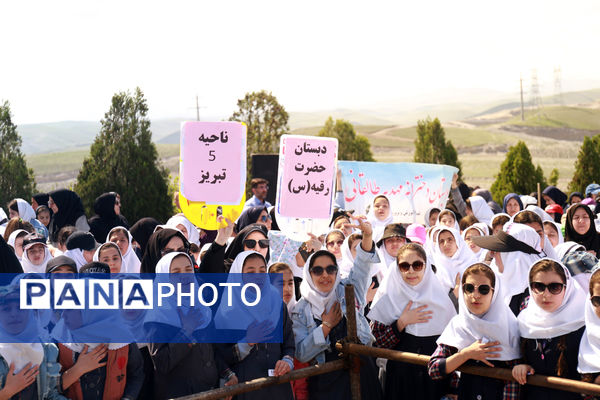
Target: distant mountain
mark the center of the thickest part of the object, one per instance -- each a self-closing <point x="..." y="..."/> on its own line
<point x="59" y="136"/>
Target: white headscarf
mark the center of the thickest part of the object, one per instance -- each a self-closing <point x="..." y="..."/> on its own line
<point x="379" y="226"/>
<point x="561" y="238"/>
<point x="515" y="275"/>
<point x="394" y="294"/>
<point x="483" y="231"/>
<point x="445" y="211"/>
<point x="343" y="235"/>
<point x="193" y="236"/>
<point x="568" y="247"/>
<point x="230" y="317"/>
<point x="77" y="256"/>
<point x="28" y="266"/>
<point x="113" y="245"/>
<point x="448" y="267"/>
<point x="319" y="301"/>
<point x="347" y="259"/>
<point x="589" y="349"/>
<point x="498" y="215"/>
<point x="541" y="213"/>
<point x="130" y="259"/>
<point x="428" y="214"/>
<point x="481" y="210"/>
<point x="26" y="212"/>
<point x="497" y="324"/>
<point x="13" y="238"/>
<point x="535" y="323"/>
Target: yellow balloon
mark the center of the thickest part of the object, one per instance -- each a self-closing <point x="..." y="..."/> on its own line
<point x="204" y="215"/>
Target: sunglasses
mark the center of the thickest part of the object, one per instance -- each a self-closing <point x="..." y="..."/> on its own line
<point x="265" y="218"/>
<point x="330" y="269"/>
<point x="553" y="288"/>
<point x="483" y="290"/>
<point x="595" y="301"/>
<point x="251" y="243"/>
<point x="416" y="266"/>
<point x="338" y="242"/>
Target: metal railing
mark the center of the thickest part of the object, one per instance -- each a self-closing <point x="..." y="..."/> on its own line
<point x="350" y="348"/>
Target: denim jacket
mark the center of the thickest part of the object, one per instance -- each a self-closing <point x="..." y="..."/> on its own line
<point x="310" y="342"/>
<point x="48" y="379"/>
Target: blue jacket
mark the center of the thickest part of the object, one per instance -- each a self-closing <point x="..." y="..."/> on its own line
<point x="310" y="342"/>
<point x="48" y="379"/>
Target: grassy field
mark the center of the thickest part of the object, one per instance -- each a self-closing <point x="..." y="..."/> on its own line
<point x="561" y="117"/>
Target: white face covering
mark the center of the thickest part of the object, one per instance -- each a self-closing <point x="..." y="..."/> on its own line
<point x="589" y="349"/>
<point x="497" y="324"/>
<point x="394" y="294"/>
<point x="449" y="267"/>
<point x="535" y="323"/>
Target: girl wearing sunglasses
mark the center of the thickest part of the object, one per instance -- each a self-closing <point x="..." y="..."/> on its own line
<point x="589" y="349"/>
<point x="320" y="318"/>
<point x="219" y="257"/>
<point x="551" y="327"/>
<point x="485" y="332"/>
<point x="333" y="242"/>
<point x="409" y="314"/>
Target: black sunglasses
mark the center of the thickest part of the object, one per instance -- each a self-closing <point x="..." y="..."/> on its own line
<point x="595" y="301"/>
<point x="416" y="266"/>
<point x="318" y="271"/>
<point x="553" y="288"/>
<point x="251" y="243"/>
<point x="483" y="290"/>
<point x="264" y="218"/>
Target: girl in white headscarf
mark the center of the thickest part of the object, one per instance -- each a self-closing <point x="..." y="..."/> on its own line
<point x="319" y="318"/>
<point x="349" y="253"/>
<point x="448" y="219"/>
<point x="552" y="326"/>
<point x="485" y="331"/>
<point x="589" y="349"/>
<point x="253" y="360"/>
<point x="122" y="238"/>
<point x="480" y="209"/>
<point x="408" y="314"/>
<point x="553" y="232"/>
<point x="380" y="215"/>
<point x="35" y="256"/>
<point x="15" y="240"/>
<point x="451" y="257"/>
<point x="476" y="230"/>
<point x="22" y="209"/>
<point x="110" y="254"/>
<point x="184" y="225"/>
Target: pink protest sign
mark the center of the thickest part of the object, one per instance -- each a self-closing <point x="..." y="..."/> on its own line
<point x="307" y="168"/>
<point x="212" y="168"/>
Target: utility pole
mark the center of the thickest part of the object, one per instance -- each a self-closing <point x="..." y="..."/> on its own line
<point x="522" y="106"/>
<point x="197" y="109"/>
<point x="558" y="86"/>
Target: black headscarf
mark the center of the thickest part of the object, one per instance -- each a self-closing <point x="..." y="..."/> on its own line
<point x="105" y="218"/>
<point x="9" y="263"/>
<point x="156" y="244"/>
<point x="41" y="199"/>
<point x="249" y="216"/>
<point x="591" y="239"/>
<point x="70" y="208"/>
<point x="556" y="194"/>
<point x="237" y="245"/>
<point x="575" y="194"/>
<point x="142" y="230"/>
<point x="274" y="226"/>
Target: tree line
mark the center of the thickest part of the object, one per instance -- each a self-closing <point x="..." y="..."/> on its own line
<point x="124" y="159"/>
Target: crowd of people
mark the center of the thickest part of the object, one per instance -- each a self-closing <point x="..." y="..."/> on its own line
<point x="514" y="286"/>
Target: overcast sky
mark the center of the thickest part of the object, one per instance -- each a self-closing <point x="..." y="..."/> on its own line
<point x="63" y="60"/>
